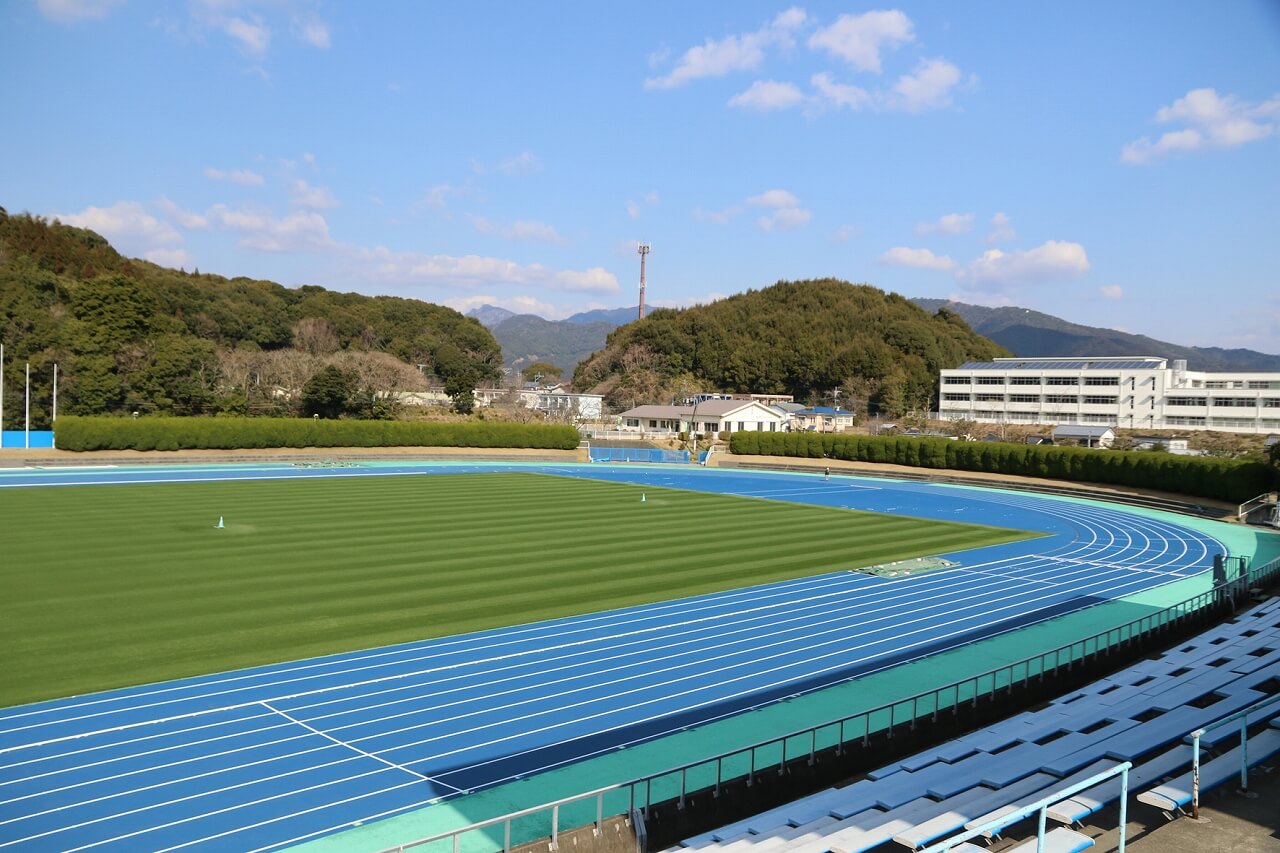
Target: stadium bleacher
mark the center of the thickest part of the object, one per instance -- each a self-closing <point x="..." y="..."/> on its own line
<point x="1142" y="715"/>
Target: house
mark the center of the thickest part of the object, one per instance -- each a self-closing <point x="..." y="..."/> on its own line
<point x="1167" y="443"/>
<point x="1085" y="436"/>
<point x="711" y="416"/>
<point x="823" y="419"/>
<point x="1038" y="440"/>
<point x="554" y="401"/>
<point x="1270" y="442"/>
<point x="991" y="436"/>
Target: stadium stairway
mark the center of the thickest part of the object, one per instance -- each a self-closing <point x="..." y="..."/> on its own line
<point x="1142" y="714"/>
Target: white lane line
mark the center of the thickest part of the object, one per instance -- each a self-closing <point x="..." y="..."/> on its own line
<point x="355" y="748"/>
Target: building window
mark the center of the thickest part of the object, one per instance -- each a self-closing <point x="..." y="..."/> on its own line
<point x="1262" y="385"/>
<point x="1270" y="402"/>
<point x="1061" y="380"/>
<point x="742" y="426"/>
<point x="1024" y="380"/>
<point x="959" y="398"/>
<point x="1233" y="402"/>
<point x="1186" y="401"/>
<point x="1231" y="422"/>
<point x="633" y="422"/>
<point x="955" y="380"/>
<point x="1024" y="398"/>
<point x="989" y="380"/>
<point x="1184" y="421"/>
<point x="1099" y="401"/>
<point x="1098" y="381"/>
<point x="1061" y="398"/>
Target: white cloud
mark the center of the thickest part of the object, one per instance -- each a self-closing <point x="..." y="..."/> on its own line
<point x="254" y="36"/>
<point x="651" y="198"/>
<point x="952" y="223"/>
<point x="1054" y="259"/>
<point x="768" y="95"/>
<point x="716" y="58"/>
<point x="784" y="219"/>
<point x="929" y="87"/>
<point x="1111" y="291"/>
<point x="1214" y="122"/>
<point x="126" y="222"/>
<point x="840" y="94"/>
<point x="635" y="208"/>
<point x="437" y="198"/>
<point x="538" y="232"/>
<point x="303" y="194"/>
<point x="296" y="231"/>
<point x="173" y="258"/>
<point x="902" y="256"/>
<point x="313" y="31"/>
<point x="845" y="233"/>
<point x="774" y="198"/>
<point x="859" y="39"/>
<point x="1001" y="229"/>
<point x="70" y="11"/>
<point x="184" y="218"/>
<point x="524" y="163"/>
<point x="471" y="271"/>
<point x="719" y="217"/>
<point x="243" y="177"/>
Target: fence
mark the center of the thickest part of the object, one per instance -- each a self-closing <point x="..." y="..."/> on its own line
<point x="638" y="454"/>
<point x="17" y="438"/>
<point x="713" y="773"/>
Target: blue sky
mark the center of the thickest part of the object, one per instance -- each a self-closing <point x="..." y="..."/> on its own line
<point x="1114" y="164"/>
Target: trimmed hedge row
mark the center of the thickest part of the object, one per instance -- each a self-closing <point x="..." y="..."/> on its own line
<point x="152" y="433"/>
<point x="1221" y="479"/>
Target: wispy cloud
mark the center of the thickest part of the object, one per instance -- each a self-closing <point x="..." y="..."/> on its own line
<point x="303" y="194"/>
<point x="929" y="87"/>
<point x="859" y="39"/>
<point x="1210" y="121"/>
<point x="1052" y="260"/>
<point x="71" y="11"/>
<point x="1001" y="229"/>
<point x="903" y="256"/>
<point x="530" y="230"/>
<point x="1111" y="291"/>
<point x="524" y="163"/>
<point x="952" y="223"/>
<point x="243" y="177"/>
<point x="769" y="95"/>
<point x="785" y="214"/>
<point x="744" y="52"/>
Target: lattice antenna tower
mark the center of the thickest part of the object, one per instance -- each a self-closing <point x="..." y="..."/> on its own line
<point x="643" y="249"/>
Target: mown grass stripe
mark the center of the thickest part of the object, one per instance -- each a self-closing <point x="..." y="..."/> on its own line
<point x="117" y="585"/>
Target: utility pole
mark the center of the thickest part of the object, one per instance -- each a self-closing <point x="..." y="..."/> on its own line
<point x="643" y="249"/>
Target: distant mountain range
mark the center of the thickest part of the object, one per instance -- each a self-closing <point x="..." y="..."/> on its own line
<point x="526" y="338"/>
<point x="1030" y="333"/>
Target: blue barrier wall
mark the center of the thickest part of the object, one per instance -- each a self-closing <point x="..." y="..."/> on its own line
<point x="638" y="454"/>
<point x="17" y="438"/>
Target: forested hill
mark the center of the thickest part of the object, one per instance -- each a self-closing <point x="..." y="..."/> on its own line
<point x="1033" y="334"/>
<point x="129" y="335"/>
<point x="803" y="338"/>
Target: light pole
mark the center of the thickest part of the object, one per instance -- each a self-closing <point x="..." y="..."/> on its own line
<point x="693" y="428"/>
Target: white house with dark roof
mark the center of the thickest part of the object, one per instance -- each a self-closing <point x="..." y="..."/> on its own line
<point x="1085" y="436"/>
<point x="710" y="416"/>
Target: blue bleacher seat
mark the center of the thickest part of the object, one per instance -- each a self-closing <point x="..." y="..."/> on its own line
<point x="1086" y="802"/>
<point x="1176" y="793"/>
<point x="1060" y="840"/>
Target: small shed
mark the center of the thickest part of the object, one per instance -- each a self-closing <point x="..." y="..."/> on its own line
<point x="1085" y="436"/>
<point x="1167" y="443"/>
<point x="1037" y="440"/>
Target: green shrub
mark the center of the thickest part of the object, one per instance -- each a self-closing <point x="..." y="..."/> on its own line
<point x="1220" y="479"/>
<point x="229" y="433"/>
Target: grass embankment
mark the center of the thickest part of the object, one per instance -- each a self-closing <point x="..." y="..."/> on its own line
<point x="108" y="586"/>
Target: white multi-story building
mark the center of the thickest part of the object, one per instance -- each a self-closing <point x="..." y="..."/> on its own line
<point x="1124" y="392"/>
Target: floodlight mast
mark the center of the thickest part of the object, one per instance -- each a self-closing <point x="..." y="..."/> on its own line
<point x="643" y="249"/>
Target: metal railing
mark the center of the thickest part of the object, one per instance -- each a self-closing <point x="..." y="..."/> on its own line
<point x="1243" y="717"/>
<point x="748" y="762"/>
<point x="1042" y="807"/>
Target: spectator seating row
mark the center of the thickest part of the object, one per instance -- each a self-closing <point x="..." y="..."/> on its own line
<point x="1142" y="714"/>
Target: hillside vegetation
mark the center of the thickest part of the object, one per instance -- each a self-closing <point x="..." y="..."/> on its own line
<point x="129" y="335"/>
<point x="803" y="338"/>
<point x="1034" y="334"/>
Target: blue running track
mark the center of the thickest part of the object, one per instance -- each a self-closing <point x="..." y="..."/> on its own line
<point x="261" y="758"/>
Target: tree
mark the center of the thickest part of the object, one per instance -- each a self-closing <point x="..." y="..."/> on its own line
<point x="329" y="393"/>
<point x="541" y="370"/>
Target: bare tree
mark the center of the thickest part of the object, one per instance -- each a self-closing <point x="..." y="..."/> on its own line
<point x="315" y="336"/>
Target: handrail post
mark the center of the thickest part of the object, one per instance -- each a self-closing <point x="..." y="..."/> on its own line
<point x="555" y="828"/>
<point x="600" y="813"/>
<point x="506" y="836"/>
<point x="1124" y="809"/>
<point x="1244" y="753"/>
<point x="1195" y="773"/>
<point x="1040" y="829"/>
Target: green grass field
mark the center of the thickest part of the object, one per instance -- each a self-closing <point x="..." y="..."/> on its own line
<point x="108" y="586"/>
